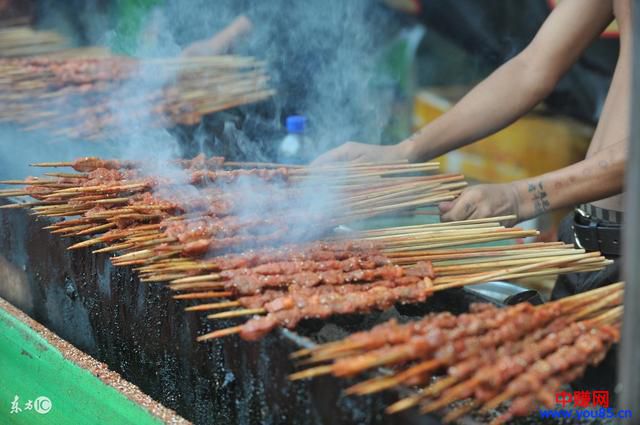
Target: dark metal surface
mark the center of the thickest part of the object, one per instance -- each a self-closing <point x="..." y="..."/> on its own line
<point x="630" y="347"/>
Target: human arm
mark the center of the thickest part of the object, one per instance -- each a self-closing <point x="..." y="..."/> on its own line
<point x="221" y="41"/>
<point x="597" y="177"/>
<point x="507" y="94"/>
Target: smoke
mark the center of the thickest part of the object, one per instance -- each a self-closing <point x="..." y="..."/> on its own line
<point x="321" y="57"/>
<point x="18" y="149"/>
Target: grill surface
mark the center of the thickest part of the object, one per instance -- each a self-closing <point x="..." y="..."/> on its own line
<point x="141" y="333"/>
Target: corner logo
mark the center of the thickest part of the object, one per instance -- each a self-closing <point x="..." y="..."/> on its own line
<point x="41" y="405"/>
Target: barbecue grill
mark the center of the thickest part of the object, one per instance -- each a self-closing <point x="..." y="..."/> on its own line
<point x="140" y="332"/>
<point x="143" y="334"/>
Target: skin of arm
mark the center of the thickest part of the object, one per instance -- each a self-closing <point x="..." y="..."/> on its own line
<point x="596" y="177"/>
<point x="518" y="85"/>
<point x="503" y="97"/>
<point x="222" y="41"/>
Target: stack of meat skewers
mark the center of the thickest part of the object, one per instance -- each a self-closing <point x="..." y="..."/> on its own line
<point x="104" y="97"/>
<point x="276" y="299"/>
<point x="22" y="40"/>
<point x="483" y="358"/>
<point x="193" y="232"/>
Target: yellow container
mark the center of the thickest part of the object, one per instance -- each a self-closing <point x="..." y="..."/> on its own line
<point x="533" y="145"/>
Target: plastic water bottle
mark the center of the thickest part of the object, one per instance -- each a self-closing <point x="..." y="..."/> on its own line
<point x="293" y="146"/>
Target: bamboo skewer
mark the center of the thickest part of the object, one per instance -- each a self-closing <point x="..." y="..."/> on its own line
<point x="201" y="295"/>
<point x="237" y="313"/>
<point x="212" y="306"/>
<point x="219" y="333"/>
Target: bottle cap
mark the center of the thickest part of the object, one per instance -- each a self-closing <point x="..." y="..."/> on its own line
<point x="296" y="124"/>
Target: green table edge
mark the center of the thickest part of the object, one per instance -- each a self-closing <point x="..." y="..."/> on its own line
<point x="32" y="364"/>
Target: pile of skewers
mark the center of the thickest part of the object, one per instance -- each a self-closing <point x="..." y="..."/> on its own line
<point x="281" y="288"/>
<point x="104" y="97"/>
<point x="210" y="206"/>
<point x="479" y="360"/>
<point x="24" y="41"/>
<point x="194" y="233"/>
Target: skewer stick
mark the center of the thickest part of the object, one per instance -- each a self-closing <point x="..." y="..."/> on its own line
<point x="441" y="224"/>
<point x="196" y="285"/>
<point x="19" y="205"/>
<point x="464" y="241"/>
<point x="96" y="229"/>
<point x="220" y="333"/>
<point x="608" y="301"/>
<point x="145" y="253"/>
<point x="10" y="193"/>
<point x="84" y="244"/>
<point x="311" y="373"/>
<point x="460" y="411"/>
<point x="588" y="296"/>
<point x="159" y="278"/>
<point x="237" y="313"/>
<point x="613" y="316"/>
<point x="507" y="249"/>
<point x="52" y="164"/>
<point x="71" y="229"/>
<point x="329" y="351"/>
<point x="112" y="248"/>
<point x="452" y="395"/>
<point x="379" y="384"/>
<point x="485" y="277"/>
<point x="213" y="306"/>
<point x="195" y="279"/>
<point x="201" y="295"/>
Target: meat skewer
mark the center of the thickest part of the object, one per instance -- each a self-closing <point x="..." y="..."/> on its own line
<point x="459" y="354"/>
<point x="419" y="346"/>
<point x="377" y="298"/>
<point x="487" y="364"/>
<point x="42" y="89"/>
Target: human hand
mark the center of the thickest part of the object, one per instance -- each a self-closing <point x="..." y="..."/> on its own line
<point x="481" y="201"/>
<point x="363" y="152"/>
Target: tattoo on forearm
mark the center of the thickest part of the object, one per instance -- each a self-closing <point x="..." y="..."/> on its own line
<point x="539" y="197"/>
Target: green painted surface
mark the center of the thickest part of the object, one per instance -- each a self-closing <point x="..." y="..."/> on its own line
<point x="130" y="17"/>
<point x="30" y="368"/>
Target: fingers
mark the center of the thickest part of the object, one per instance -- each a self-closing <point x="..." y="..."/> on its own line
<point x="195" y="49"/>
<point x="445" y="207"/>
<point x="345" y="152"/>
<point x="334" y="155"/>
<point x="462" y="208"/>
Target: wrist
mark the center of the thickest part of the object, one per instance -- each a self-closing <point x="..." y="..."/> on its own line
<point x="407" y="150"/>
<point x="520" y="209"/>
<point x="531" y="199"/>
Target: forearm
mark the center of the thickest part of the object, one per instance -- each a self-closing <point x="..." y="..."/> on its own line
<point x="222" y="41"/>
<point x="510" y="92"/>
<point x="236" y="29"/>
<point x="598" y="177"/>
